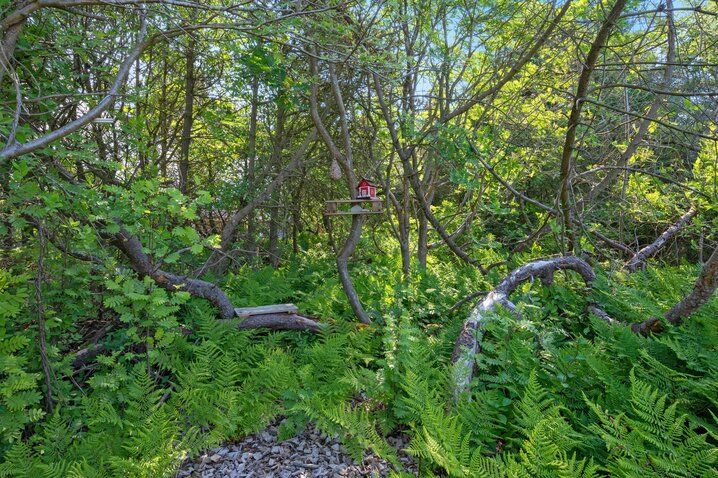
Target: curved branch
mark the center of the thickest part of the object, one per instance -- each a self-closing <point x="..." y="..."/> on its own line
<point x="142" y="263"/>
<point x="468" y="343"/>
<point x="17" y="149"/>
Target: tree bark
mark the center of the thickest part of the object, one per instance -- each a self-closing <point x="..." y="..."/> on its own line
<point x="468" y="343"/>
<point x="402" y="232"/>
<point x="641" y="256"/>
<point x="702" y="291"/>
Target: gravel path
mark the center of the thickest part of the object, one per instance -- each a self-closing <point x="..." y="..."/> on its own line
<point x="309" y="454"/>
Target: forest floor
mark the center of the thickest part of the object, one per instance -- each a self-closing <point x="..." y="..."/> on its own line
<point x="311" y="453"/>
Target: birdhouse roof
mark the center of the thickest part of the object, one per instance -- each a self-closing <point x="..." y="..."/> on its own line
<point x="365" y="182"/>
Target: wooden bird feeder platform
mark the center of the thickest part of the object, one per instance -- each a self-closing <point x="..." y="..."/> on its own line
<point x="356" y="206"/>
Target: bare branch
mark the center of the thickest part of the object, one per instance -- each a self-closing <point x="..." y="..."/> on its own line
<point x="641" y="256"/>
<point x="653" y="120"/>
<point x="655" y="90"/>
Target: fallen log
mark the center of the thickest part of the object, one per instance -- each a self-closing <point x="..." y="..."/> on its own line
<point x="275" y="317"/>
<point x="280" y="322"/>
<point x="243" y="312"/>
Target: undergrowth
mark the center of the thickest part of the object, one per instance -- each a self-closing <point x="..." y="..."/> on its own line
<point x="557" y="393"/>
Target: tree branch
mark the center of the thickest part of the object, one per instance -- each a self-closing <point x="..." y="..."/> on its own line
<point x="573" y="120"/>
<point x="15" y="149"/>
<point x="468" y="343"/>
<point x="641" y="256"/>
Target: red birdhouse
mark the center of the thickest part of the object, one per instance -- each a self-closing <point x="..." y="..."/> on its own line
<point x="366" y="190"/>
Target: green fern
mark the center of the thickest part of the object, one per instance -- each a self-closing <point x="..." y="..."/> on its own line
<point x="654" y="438"/>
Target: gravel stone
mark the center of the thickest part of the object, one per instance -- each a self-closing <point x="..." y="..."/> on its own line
<point x="311" y="454"/>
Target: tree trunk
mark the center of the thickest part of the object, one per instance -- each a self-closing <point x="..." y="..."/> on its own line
<point x="423" y="240"/>
<point x="415" y="182"/>
<point x="41" y="327"/>
<point x="405" y="231"/>
<point x="343" y="268"/>
<point x="573" y="120"/>
<point x="296" y="218"/>
<point x="401" y="231"/>
<point x="163" y="119"/>
<point x="187" y="118"/>
<point x="251" y="240"/>
<point x="274" y="236"/>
